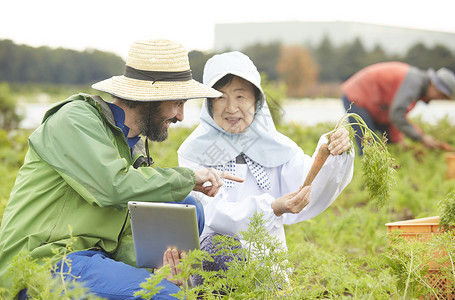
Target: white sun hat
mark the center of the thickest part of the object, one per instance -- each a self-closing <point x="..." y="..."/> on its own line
<point x="156" y="70"/>
<point x="444" y="80"/>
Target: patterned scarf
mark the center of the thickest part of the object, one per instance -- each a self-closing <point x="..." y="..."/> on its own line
<point x="256" y="170"/>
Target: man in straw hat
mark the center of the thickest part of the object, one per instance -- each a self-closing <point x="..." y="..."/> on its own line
<point x="85" y="162"/>
<point x="384" y="93"/>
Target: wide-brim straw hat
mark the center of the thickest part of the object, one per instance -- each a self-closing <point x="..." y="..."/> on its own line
<point x="156" y="70"/>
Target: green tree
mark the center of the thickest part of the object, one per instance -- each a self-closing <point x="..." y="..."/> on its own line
<point x="443" y="57"/>
<point x="23" y="64"/>
<point x="197" y="63"/>
<point x="9" y="119"/>
<point x="352" y="57"/>
<point x="9" y="60"/>
<point x="265" y="57"/>
<point x="418" y="56"/>
<point x="424" y="58"/>
<point x="376" y="55"/>
<point x="325" y="55"/>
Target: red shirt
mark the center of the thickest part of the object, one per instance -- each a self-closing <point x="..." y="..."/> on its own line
<point x="374" y="88"/>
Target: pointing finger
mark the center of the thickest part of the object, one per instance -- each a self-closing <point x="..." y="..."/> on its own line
<point x="227" y="175"/>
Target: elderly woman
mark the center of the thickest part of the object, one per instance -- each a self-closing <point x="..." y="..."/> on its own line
<point x="237" y="134"/>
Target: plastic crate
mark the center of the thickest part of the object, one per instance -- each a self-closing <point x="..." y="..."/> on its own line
<point x="442" y="287"/>
<point x="417" y="228"/>
<point x="422" y="229"/>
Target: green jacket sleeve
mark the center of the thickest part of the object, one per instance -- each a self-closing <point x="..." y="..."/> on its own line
<point x="81" y="146"/>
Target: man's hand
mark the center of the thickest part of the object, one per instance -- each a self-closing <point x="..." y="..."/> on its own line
<point x="429" y="141"/>
<point x="339" y="141"/>
<point x="293" y="202"/>
<point x="209" y="181"/>
<point x="172" y="257"/>
<point x="446" y="147"/>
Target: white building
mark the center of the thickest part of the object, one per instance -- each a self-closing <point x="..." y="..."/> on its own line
<point x="394" y="40"/>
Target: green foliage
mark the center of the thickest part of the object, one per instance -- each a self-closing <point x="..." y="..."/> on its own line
<point x="343" y="252"/>
<point x="378" y="171"/>
<point x="447" y="207"/>
<point x="13" y="145"/>
<point x="264" y="271"/>
<point x="40" y="283"/>
<point x="9" y="118"/>
<point x="259" y="270"/>
<point x="43" y="280"/>
<point x="306" y="137"/>
<point x="420" y="263"/>
<point x="323" y="274"/>
<point x="358" y="231"/>
<point x="377" y="163"/>
<point x="150" y="287"/>
<point x="161" y="153"/>
<point x="275" y="95"/>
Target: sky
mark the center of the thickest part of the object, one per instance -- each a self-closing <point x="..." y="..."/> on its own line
<point x="111" y="25"/>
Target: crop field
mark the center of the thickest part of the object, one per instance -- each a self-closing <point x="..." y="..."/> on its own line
<point x="345" y="252"/>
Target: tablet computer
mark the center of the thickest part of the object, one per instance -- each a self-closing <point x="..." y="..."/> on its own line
<point x="158" y="226"/>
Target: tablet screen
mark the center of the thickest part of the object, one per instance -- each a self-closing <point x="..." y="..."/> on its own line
<point x="158" y="226"/>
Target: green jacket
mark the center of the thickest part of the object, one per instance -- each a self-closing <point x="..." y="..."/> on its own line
<point x="79" y="172"/>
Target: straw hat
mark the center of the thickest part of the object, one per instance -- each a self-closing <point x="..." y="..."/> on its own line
<point x="156" y="70"/>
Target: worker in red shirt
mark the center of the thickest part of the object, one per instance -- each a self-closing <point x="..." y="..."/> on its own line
<point x="384" y="93"/>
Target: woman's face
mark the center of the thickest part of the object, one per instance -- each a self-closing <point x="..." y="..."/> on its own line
<point x="234" y="110"/>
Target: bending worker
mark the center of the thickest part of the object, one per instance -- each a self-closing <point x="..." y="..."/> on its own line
<point x="384" y="93"/>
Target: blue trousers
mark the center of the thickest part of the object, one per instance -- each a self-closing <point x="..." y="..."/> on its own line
<point x="365" y="115"/>
<point x="112" y="279"/>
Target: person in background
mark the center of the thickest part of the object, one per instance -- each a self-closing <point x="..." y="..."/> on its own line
<point x="237" y="134"/>
<point x="384" y="93"/>
<point x="86" y="161"/>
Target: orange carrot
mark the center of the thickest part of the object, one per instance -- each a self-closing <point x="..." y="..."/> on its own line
<point x="319" y="161"/>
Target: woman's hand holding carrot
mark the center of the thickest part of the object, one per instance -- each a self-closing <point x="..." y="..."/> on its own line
<point x="339" y="142"/>
<point x="292" y="202"/>
<point x="296" y="201"/>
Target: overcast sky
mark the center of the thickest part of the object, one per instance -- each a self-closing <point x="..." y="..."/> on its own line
<point x="111" y="25"/>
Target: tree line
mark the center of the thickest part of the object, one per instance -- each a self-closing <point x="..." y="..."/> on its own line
<point x="303" y="67"/>
<point x="299" y="67"/>
<point x="25" y="64"/>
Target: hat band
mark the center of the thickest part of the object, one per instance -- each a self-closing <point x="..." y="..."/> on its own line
<point x="133" y="73"/>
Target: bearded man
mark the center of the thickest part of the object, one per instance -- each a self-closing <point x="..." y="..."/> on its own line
<point x="84" y="164"/>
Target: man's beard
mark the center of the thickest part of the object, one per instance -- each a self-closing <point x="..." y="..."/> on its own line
<point x="152" y="122"/>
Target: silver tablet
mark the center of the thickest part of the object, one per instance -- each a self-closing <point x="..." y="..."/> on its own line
<point x="157" y="226"/>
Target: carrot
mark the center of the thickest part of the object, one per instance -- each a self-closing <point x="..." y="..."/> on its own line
<point x="319" y="161"/>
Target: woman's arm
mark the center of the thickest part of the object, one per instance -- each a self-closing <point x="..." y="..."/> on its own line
<point x="333" y="177"/>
